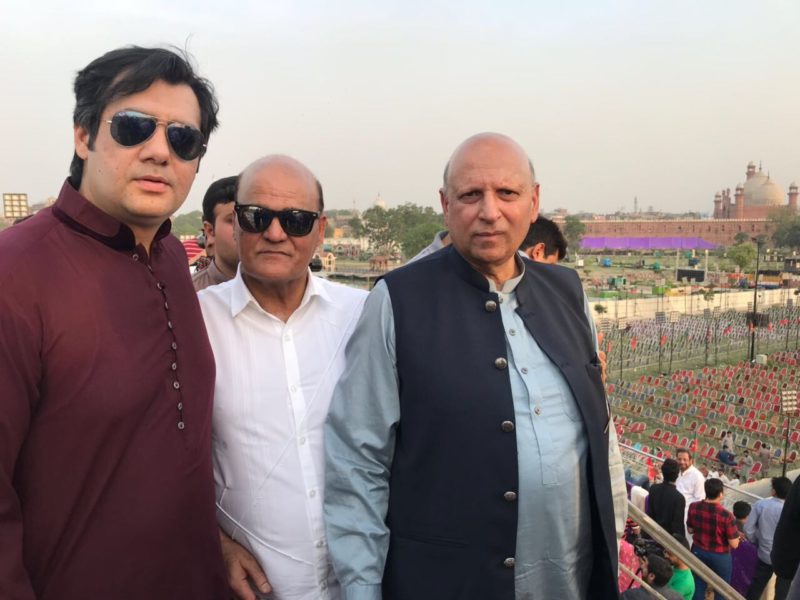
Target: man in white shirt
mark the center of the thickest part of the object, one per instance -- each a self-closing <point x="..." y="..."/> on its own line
<point x="690" y="480"/>
<point x="278" y="334"/>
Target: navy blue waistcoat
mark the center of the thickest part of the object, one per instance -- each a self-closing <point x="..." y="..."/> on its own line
<point x="453" y="525"/>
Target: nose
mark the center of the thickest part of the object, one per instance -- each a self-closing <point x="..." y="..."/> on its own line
<point x="156" y="149"/>
<point x="275" y="232"/>
<point x="490" y="209"/>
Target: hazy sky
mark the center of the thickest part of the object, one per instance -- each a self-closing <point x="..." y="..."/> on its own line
<point x="666" y="101"/>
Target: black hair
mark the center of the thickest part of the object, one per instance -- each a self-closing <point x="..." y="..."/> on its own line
<point x="741" y="509"/>
<point x="130" y="70"/>
<point x="684" y="451"/>
<point x="546" y="231"/>
<point x="713" y="488"/>
<point x="222" y="191"/>
<point x="660" y="568"/>
<point x="781" y="485"/>
<point x="670" y="470"/>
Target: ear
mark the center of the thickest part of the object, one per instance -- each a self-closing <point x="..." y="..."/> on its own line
<point x="208" y="229"/>
<point x="535" y="203"/>
<point x="321" y="225"/>
<point x="445" y="205"/>
<point x="81" y="141"/>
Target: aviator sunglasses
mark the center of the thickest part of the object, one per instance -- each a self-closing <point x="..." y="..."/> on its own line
<point x="131" y="128"/>
<point x="257" y="219"/>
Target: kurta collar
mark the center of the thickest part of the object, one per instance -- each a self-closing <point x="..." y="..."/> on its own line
<point x="77" y="212"/>
<point x="468" y="273"/>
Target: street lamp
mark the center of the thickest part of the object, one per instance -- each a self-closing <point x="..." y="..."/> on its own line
<point x="788" y="409"/>
<point x="621" y="325"/>
<point x="674" y="316"/>
<point x="759" y="243"/>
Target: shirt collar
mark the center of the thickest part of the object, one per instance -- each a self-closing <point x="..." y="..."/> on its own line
<point x="77" y="212"/>
<point x="241" y="297"/>
<point x="510" y="285"/>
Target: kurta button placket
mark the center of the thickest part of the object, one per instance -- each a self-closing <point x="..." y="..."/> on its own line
<point x="500" y="363"/>
<point x="174" y="366"/>
<point x="176" y="385"/>
<point x="181" y="425"/>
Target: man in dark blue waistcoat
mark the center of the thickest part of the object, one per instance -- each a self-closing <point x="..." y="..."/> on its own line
<point x="467" y="441"/>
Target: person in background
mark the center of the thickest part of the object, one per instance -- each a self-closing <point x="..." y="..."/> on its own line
<point x="744" y="559"/>
<point x="682" y="580"/>
<point x="690" y="480"/>
<point x="666" y="505"/>
<point x="218" y="219"/>
<point x="657" y="572"/>
<point x="714" y="535"/>
<point x="760" y="529"/>
<point x="785" y="547"/>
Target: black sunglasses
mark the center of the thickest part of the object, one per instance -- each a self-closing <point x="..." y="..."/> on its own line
<point x="256" y="219"/>
<point x="131" y="128"/>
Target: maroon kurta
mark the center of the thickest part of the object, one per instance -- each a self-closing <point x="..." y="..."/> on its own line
<point x="106" y="387"/>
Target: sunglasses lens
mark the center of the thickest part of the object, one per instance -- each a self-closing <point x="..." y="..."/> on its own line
<point x="255" y="219"/>
<point x="187" y="142"/>
<point x="129" y="129"/>
<point x="252" y="219"/>
<point x="297" y="222"/>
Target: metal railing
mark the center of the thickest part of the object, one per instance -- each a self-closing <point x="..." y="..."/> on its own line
<point x="698" y="568"/>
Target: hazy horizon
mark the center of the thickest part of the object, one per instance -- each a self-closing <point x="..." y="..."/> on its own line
<point x="612" y="100"/>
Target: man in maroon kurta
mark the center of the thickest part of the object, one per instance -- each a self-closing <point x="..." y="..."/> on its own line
<point x="106" y="374"/>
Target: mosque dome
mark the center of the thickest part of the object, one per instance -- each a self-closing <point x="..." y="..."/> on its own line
<point x="760" y="190"/>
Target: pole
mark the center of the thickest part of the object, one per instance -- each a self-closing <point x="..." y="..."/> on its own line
<point x="755" y="302"/>
<point x="671" y="335"/>
<point x="786" y="444"/>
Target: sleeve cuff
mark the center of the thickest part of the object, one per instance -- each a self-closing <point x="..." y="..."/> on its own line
<point x="361" y="592"/>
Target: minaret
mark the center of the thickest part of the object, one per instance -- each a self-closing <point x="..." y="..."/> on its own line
<point x="751" y="169"/>
<point x="717" y="205"/>
<point x="793" y="197"/>
<point x="739" y="195"/>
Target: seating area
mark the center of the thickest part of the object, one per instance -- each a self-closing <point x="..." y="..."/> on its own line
<point x="692" y="409"/>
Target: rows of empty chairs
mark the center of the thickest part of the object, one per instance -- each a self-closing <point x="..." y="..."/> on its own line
<point x="693" y="408"/>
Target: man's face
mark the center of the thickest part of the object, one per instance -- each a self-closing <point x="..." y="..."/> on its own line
<point x="141" y="185"/>
<point x="220" y="235"/>
<point x="489" y="201"/>
<point x="684" y="462"/>
<point x="273" y="257"/>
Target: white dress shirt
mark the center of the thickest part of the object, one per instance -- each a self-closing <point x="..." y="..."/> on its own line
<point x="691" y="484"/>
<point x="273" y="387"/>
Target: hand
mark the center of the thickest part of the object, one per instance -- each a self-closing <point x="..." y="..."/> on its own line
<point x="242" y="568"/>
<point x="601" y="356"/>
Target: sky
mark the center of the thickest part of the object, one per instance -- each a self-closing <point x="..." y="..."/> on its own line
<point x="613" y="100"/>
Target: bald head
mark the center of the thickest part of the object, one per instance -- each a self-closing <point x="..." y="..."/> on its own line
<point x="489" y="139"/>
<point x="256" y="178"/>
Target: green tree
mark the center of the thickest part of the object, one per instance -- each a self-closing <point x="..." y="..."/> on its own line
<point x="741" y="237"/>
<point x="357" y="226"/>
<point x="573" y="231"/>
<point x="187" y="224"/>
<point x="379" y="229"/>
<point x="408" y="227"/>
<point x="742" y="255"/>
<point x="787" y="232"/>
